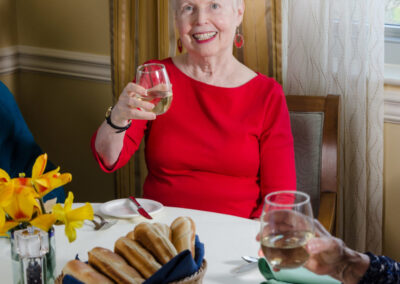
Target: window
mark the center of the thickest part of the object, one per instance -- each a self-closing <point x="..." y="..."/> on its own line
<point x="392" y="32"/>
<point x="392" y="12"/>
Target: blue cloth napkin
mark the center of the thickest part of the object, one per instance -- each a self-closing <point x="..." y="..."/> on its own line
<point x="180" y="266"/>
<point x="292" y="276"/>
<point x="177" y="268"/>
<point x="68" y="279"/>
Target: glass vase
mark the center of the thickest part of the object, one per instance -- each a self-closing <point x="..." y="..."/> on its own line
<point x="47" y="261"/>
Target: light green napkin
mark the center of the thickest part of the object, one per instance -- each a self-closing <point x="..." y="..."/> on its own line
<point x="292" y="276"/>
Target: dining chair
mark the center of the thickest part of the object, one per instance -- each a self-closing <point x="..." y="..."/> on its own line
<point x="315" y="128"/>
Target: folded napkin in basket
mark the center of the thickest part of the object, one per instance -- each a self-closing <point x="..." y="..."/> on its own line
<point x="292" y="276"/>
<point x="178" y="268"/>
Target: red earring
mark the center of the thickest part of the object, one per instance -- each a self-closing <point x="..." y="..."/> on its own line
<point x="239" y="39"/>
<point x="180" y="47"/>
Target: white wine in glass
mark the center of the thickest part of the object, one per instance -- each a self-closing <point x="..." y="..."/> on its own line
<point x="154" y="78"/>
<point x="286" y="226"/>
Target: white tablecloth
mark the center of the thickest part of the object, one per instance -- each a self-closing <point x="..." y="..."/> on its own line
<point x="226" y="238"/>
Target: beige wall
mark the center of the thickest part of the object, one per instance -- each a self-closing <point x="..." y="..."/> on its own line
<point x="8" y="23"/>
<point x="392" y="191"/>
<point x="9" y="37"/>
<point x="11" y="81"/>
<point x="62" y="112"/>
<point x="72" y="25"/>
<point x="391" y="228"/>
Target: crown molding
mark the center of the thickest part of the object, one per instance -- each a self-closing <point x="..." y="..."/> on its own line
<point x="62" y="62"/>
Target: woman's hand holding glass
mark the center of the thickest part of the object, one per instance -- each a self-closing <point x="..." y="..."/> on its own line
<point x="326" y="252"/>
<point x="329" y="255"/>
<point x="286" y="226"/>
<point x="130" y="106"/>
<point x="151" y="95"/>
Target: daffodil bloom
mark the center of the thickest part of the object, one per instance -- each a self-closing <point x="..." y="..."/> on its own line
<point x="44" y="183"/>
<point x="2" y="218"/>
<point x="44" y="221"/>
<point x="6" y="188"/>
<point x="72" y="218"/>
<point x="7" y="226"/>
<point x="21" y="201"/>
<point x="16" y="200"/>
<point x="6" y="191"/>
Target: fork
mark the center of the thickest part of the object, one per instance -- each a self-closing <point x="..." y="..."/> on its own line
<point x="250" y="259"/>
<point x="103" y="224"/>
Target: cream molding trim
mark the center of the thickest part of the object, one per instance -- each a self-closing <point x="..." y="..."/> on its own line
<point x="8" y="59"/>
<point x="54" y="61"/>
<point x="392" y="107"/>
<point x="392" y="74"/>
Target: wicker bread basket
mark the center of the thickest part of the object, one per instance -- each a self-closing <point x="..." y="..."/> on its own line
<point x="196" y="278"/>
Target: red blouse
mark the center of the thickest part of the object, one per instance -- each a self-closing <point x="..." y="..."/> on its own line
<point x="216" y="149"/>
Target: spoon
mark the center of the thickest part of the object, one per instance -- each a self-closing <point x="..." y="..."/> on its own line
<point x="247" y="267"/>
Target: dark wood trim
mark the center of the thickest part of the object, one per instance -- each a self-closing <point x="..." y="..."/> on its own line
<point x="327" y="210"/>
<point x="330" y="146"/>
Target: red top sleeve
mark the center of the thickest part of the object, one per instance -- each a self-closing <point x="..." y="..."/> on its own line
<point x="277" y="167"/>
<point x="132" y="139"/>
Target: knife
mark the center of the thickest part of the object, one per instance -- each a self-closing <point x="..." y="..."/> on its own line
<point x="140" y="209"/>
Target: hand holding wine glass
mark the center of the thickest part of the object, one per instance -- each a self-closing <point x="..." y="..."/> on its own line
<point x="286" y="226"/>
<point x="151" y="95"/>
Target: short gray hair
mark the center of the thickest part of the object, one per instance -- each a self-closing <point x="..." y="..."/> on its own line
<point x="236" y="3"/>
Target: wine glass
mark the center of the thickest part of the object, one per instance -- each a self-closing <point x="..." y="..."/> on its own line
<point x="154" y="78"/>
<point x="286" y="226"/>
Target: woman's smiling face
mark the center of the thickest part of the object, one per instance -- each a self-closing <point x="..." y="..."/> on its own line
<point x="207" y="28"/>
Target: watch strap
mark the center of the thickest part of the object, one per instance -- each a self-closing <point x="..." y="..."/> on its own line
<point x="120" y="129"/>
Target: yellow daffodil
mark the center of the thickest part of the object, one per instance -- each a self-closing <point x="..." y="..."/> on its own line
<point x="6" y="192"/>
<point x="72" y="218"/>
<point x="4" y="177"/>
<point x="23" y="202"/>
<point x="7" y="226"/>
<point x="44" y="183"/>
<point x="2" y="218"/>
<point x="6" y="189"/>
<point x="44" y="221"/>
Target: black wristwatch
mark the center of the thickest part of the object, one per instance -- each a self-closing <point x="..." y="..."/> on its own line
<point x="119" y="128"/>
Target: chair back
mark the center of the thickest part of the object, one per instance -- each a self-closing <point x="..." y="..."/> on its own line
<point x="315" y="128"/>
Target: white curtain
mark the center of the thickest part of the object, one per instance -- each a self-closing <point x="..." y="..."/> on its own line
<point x="336" y="47"/>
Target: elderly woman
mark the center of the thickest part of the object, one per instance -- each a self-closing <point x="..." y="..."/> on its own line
<point x="226" y="140"/>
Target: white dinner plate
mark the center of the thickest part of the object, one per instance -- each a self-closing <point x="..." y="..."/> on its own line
<point x="124" y="208"/>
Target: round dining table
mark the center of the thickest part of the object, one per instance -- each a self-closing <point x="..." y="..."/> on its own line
<point x="226" y="239"/>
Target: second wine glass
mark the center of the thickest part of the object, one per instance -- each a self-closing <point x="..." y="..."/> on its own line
<point x="286" y="226"/>
<point x="154" y="78"/>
